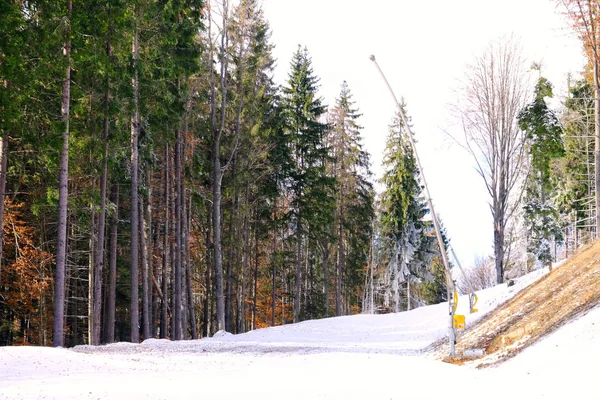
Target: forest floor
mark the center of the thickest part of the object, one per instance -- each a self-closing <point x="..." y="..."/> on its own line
<point x="550" y="320"/>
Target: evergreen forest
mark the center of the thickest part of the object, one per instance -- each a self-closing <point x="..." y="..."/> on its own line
<point x="156" y="181"/>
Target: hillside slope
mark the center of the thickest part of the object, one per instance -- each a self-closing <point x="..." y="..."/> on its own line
<point x="557" y="298"/>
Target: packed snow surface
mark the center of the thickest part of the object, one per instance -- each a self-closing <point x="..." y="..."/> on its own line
<point x="352" y="357"/>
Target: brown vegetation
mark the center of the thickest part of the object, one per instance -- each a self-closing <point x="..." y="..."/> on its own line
<point x="538" y="310"/>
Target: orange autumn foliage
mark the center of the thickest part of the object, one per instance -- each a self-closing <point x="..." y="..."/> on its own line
<point x="284" y="307"/>
<point x="25" y="280"/>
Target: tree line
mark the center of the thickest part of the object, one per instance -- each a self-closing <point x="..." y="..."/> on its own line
<point x="158" y="183"/>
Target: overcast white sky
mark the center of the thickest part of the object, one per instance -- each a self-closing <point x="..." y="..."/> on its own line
<point x="423" y="48"/>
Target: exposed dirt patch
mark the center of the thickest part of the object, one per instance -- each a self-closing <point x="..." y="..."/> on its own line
<point x="560" y="296"/>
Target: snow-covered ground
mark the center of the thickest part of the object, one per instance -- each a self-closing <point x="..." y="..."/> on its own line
<point x="355" y="357"/>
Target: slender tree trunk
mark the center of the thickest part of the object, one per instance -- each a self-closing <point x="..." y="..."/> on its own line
<point x="172" y="250"/>
<point x="207" y="279"/>
<point x="112" y="273"/>
<point x="229" y="278"/>
<point x="135" y="213"/>
<point x="184" y="298"/>
<point x="90" y="270"/>
<point x="325" y="264"/>
<point x="178" y="198"/>
<point x="101" y="218"/>
<point x="173" y="257"/>
<point x="340" y="264"/>
<point x="188" y="264"/>
<point x="298" y="273"/>
<point x="245" y="262"/>
<point x="255" y="275"/>
<point x="151" y="241"/>
<point x="274" y="261"/>
<point x="499" y="251"/>
<point x="408" y="294"/>
<point x="164" y="318"/>
<point x="144" y="262"/>
<point x="307" y="273"/>
<point x="218" y="259"/>
<point x="217" y="170"/>
<point x="63" y="182"/>
<point x="3" y="166"/>
<point x="372" y="284"/>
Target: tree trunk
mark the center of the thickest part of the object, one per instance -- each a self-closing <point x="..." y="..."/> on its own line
<point x="151" y="241"/>
<point x="164" y="318"/>
<point x="207" y="279"/>
<point x="112" y="273"/>
<point x="135" y="213"/>
<point x="408" y="294"/>
<point x="298" y="271"/>
<point x="217" y="171"/>
<point x="499" y="251"/>
<point x="325" y="264"/>
<point x="188" y="265"/>
<point x="3" y="166"/>
<point x="274" y="261"/>
<point x="184" y="298"/>
<point x="218" y="259"/>
<point x="90" y="270"/>
<point x="245" y="262"/>
<point x="255" y="275"/>
<point x="144" y="262"/>
<point x="229" y="278"/>
<point x="178" y="198"/>
<point x="63" y="182"/>
<point x="102" y="217"/>
<point x="340" y="263"/>
<point x="372" y="285"/>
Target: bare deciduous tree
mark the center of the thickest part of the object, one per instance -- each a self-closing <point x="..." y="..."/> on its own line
<point x="496" y="90"/>
<point x="480" y="276"/>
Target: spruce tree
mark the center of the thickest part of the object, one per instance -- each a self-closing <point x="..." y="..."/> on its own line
<point x="543" y="132"/>
<point x="402" y="216"/>
<point x="354" y="195"/>
<point x="309" y="184"/>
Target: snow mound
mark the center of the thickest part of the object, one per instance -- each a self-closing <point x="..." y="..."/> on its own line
<point x="221" y="334"/>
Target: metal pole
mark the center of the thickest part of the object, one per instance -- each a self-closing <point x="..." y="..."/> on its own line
<point x="438" y="232"/>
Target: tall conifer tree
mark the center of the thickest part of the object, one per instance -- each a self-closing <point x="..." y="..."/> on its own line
<point x="306" y="132"/>
<point x="403" y="210"/>
<point x="544" y="145"/>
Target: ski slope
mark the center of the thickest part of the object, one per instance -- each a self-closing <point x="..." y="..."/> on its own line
<point x="352" y="357"/>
